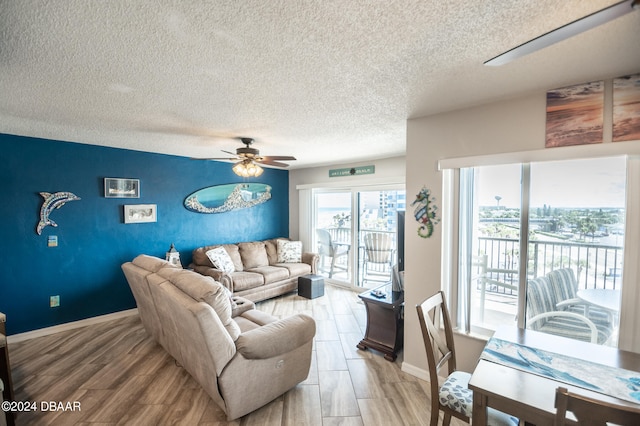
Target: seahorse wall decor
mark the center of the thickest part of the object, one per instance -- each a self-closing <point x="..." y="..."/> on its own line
<point x="52" y="201"/>
<point x="425" y="212"/>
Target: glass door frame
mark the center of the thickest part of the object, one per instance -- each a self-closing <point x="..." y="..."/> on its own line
<point x="354" y="254"/>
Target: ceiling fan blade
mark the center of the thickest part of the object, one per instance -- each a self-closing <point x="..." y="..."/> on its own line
<point x="271" y="163"/>
<point x="214" y="159"/>
<point x="232" y="153"/>
<point x="566" y="31"/>
<point x="279" y="157"/>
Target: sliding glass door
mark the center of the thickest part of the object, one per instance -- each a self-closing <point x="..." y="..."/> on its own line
<point x="355" y="233"/>
<point x="333" y="234"/>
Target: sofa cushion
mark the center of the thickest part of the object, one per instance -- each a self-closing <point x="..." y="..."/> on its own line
<point x="253" y="254"/>
<point x="245" y="324"/>
<point x="221" y="259"/>
<point x="234" y="253"/>
<point x="259" y="317"/>
<point x="277" y="338"/>
<point x="289" y="251"/>
<point x="296" y="269"/>
<point x="246" y="280"/>
<point x="272" y="250"/>
<point x="207" y="290"/>
<point x="200" y="255"/>
<point x="272" y="274"/>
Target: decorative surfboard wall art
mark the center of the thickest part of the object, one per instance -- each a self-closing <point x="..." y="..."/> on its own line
<point x="228" y="197"/>
<point x="52" y="201"/>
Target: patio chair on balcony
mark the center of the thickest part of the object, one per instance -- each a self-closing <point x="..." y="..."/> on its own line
<point x="563" y="282"/>
<point x="329" y="248"/>
<point x="378" y="256"/>
<point x="544" y="315"/>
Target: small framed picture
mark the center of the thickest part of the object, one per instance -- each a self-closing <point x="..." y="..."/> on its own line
<point x="140" y="213"/>
<point x="121" y="188"/>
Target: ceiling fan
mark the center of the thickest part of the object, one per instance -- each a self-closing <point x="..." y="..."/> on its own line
<point x="566" y="31"/>
<point x="247" y="159"/>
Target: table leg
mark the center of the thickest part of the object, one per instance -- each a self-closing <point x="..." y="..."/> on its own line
<point x="479" y="415"/>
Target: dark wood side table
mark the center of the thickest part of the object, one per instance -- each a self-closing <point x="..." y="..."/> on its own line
<point x="385" y="321"/>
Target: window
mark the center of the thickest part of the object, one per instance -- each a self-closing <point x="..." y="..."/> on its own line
<point x="541" y="245"/>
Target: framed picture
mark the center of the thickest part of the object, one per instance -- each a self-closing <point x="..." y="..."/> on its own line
<point x="140" y="213"/>
<point x="626" y="108"/>
<point x="121" y="188"/>
<point x="575" y="115"/>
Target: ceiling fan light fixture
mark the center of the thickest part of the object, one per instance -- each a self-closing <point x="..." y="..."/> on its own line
<point x="247" y="168"/>
<point x="566" y="31"/>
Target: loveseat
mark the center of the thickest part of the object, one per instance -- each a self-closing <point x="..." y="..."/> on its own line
<point x="242" y="357"/>
<point x="256" y="270"/>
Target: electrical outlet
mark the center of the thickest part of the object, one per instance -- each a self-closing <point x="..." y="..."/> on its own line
<point x="54" y="301"/>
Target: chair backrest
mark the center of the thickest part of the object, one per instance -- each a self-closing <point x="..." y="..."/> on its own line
<point x="540" y="299"/>
<point x="378" y="247"/>
<point x="563" y="284"/>
<point x="325" y="246"/>
<point x="440" y="352"/>
<point x="593" y="412"/>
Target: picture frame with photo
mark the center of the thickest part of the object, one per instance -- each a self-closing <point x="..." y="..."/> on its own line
<point x="575" y="115"/>
<point x="121" y="188"/>
<point x="140" y="213"/>
<point x="626" y="108"/>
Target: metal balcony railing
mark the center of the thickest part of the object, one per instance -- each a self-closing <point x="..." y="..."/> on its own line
<point x="595" y="265"/>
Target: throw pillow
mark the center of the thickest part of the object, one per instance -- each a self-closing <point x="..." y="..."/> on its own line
<point x="221" y="259"/>
<point x="253" y="255"/>
<point x="289" y="251"/>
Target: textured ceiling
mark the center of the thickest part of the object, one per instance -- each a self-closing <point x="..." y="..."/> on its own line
<point x="326" y="81"/>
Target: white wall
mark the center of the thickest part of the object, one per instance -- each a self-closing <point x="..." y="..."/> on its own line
<point x="502" y="127"/>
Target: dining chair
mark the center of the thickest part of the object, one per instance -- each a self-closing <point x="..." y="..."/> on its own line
<point x="378" y="251"/>
<point x="592" y="412"/>
<point x="453" y="397"/>
<point x="328" y="248"/>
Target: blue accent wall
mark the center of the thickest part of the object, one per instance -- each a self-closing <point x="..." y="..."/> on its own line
<point x="93" y="240"/>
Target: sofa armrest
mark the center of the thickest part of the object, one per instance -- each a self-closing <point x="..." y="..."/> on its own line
<point x="311" y="259"/>
<point x="276" y="338"/>
<point x="242" y="305"/>
<point x="218" y="275"/>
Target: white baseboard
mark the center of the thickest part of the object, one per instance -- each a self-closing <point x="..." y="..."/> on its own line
<point x="20" y="337"/>
<point x="415" y="371"/>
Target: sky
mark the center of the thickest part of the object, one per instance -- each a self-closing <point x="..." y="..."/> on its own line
<point x="575" y="183"/>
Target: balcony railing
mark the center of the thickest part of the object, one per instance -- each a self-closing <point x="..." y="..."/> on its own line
<point x="595" y="265"/>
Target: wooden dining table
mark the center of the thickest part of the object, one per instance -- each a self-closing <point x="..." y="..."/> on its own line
<point x="530" y="396"/>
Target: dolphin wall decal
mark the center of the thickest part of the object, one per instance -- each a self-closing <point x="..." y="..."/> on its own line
<point x="52" y="201"/>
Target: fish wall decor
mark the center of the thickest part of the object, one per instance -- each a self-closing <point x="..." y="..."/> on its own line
<point x="52" y="201"/>
<point x="425" y="212"/>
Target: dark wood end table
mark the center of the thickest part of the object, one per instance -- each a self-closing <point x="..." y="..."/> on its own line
<point x="385" y="321"/>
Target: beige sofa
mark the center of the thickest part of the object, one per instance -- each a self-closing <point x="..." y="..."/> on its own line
<point x="257" y="273"/>
<point x="242" y="357"/>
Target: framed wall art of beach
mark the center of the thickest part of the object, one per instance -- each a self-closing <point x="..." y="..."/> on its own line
<point x="575" y="115"/>
<point x="626" y="108"/>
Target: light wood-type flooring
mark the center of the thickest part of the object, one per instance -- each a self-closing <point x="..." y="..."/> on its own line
<point x="119" y="375"/>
